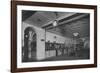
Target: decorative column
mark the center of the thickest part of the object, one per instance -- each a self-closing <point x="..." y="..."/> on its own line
<point x="29" y="45"/>
<point x="75" y="42"/>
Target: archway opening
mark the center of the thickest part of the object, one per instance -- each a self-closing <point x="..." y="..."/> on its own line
<point x="29" y="49"/>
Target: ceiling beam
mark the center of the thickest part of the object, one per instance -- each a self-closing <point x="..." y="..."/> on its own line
<point x="60" y="18"/>
<point x="69" y="20"/>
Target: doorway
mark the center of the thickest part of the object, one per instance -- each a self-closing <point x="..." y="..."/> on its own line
<point x="29" y="49"/>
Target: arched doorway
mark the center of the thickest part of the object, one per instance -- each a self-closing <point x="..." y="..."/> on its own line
<point x="29" y="48"/>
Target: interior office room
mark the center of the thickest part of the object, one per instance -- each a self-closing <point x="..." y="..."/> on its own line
<point x="55" y="36"/>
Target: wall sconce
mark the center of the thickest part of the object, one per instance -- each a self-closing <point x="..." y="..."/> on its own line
<point x="42" y="40"/>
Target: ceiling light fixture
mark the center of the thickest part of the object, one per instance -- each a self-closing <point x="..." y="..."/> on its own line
<point x="55" y="22"/>
<point x="76" y="34"/>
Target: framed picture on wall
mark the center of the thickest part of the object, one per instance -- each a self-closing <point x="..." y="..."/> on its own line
<point x="52" y="36"/>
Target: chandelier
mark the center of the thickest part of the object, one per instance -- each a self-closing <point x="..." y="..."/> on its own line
<point x="55" y="22"/>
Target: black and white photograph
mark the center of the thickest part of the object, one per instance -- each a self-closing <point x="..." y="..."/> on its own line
<point x="55" y="36"/>
<point x="52" y="36"/>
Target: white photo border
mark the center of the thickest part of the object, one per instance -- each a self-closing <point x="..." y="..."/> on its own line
<point x="53" y="63"/>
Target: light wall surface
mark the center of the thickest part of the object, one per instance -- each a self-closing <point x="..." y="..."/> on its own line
<point x="40" y="33"/>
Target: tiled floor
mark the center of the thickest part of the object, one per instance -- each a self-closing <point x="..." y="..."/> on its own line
<point x="84" y="54"/>
<point x="79" y="55"/>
